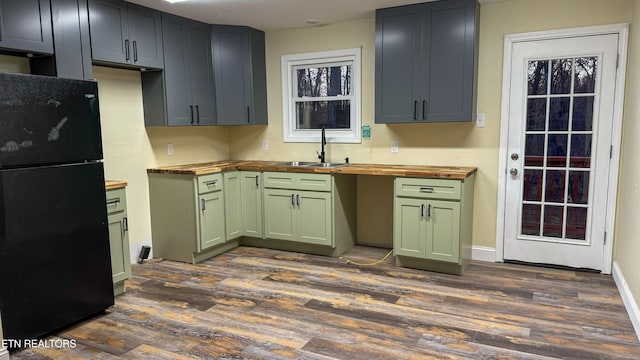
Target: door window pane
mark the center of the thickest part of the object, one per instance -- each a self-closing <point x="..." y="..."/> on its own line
<point x="531" y="219"/>
<point x="537" y="77"/>
<point x="555" y="186"/>
<point x="578" y="192"/>
<point x="576" y="223"/>
<point x="536" y="114"/>
<point x="585" y="74"/>
<point x="559" y="114"/>
<point x="532" y="190"/>
<point x="534" y="150"/>
<point x="553" y="221"/>
<point x="580" y="150"/>
<point x="561" y="76"/>
<point x="557" y="150"/>
<point x="582" y="113"/>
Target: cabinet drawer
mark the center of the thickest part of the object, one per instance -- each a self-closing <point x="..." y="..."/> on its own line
<point x="210" y="182"/>
<point x="116" y="200"/>
<point x="297" y="181"/>
<point x="428" y="188"/>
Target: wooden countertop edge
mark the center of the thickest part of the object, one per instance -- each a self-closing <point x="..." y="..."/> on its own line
<point x="445" y="172"/>
<point x="114" y="184"/>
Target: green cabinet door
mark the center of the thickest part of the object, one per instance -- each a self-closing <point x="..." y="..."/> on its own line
<point x="313" y="217"/>
<point x="232" y="205"/>
<point x="443" y="231"/>
<point x="119" y="242"/>
<point x="211" y="216"/>
<point x="279" y="208"/>
<point x="409" y="227"/>
<point x="251" y="203"/>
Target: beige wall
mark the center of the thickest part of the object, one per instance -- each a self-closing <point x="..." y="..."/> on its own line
<point x="437" y="144"/>
<point x="627" y="239"/>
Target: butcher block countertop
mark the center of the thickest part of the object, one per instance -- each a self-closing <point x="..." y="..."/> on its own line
<point x="444" y="172"/>
<point x="114" y="184"/>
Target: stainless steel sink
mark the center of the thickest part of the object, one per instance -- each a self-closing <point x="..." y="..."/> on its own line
<point x="326" y="165"/>
<point x="295" y="163"/>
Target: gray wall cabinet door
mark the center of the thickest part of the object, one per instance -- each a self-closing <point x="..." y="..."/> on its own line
<point x="71" y="39"/>
<point x="125" y="34"/>
<point x="428" y="73"/>
<point x="182" y="94"/>
<point x="25" y="25"/>
<point x="240" y="75"/>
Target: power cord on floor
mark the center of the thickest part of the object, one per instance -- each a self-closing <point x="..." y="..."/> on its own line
<point x="373" y="263"/>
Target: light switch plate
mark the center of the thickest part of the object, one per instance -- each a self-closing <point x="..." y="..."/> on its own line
<point x="480" y="120"/>
<point x="265" y="145"/>
<point x="394" y="146"/>
<point x="169" y="149"/>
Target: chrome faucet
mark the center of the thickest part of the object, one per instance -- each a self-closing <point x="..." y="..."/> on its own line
<point x="323" y="142"/>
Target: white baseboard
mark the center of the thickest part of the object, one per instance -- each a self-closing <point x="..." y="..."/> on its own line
<point x="483" y="253"/>
<point x="627" y="297"/>
<point x="4" y="353"/>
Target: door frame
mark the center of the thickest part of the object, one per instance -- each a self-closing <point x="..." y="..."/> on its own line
<point x="622" y="30"/>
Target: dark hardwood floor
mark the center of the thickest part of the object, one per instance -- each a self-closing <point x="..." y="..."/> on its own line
<point x="267" y="304"/>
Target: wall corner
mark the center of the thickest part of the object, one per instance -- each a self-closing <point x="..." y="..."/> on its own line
<point x="630" y="303"/>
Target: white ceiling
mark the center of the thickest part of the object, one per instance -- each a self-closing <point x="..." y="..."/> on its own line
<point x="275" y="14"/>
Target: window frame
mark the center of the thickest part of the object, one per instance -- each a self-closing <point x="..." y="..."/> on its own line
<point x="289" y="63"/>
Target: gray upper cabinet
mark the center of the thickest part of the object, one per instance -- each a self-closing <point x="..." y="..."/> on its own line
<point x="426" y="61"/>
<point x="183" y="94"/>
<point x="240" y="75"/>
<point x="25" y="26"/>
<point x="125" y="34"/>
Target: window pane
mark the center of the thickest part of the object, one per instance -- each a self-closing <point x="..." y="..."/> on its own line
<point x="555" y="186"/>
<point x="313" y="114"/>
<point x="553" y="219"/>
<point x="532" y="190"/>
<point x="559" y="114"/>
<point x="536" y="114"/>
<point x="561" y="76"/>
<point x="578" y="187"/>
<point x="534" y="150"/>
<point x="580" y="151"/>
<point x="585" y="75"/>
<point x="576" y="223"/>
<point x="582" y="113"/>
<point x="530" y="219"/>
<point x="537" y="77"/>
<point x="324" y="81"/>
<point x="557" y="150"/>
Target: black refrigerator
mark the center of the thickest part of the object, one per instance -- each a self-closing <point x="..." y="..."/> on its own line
<point x="55" y="266"/>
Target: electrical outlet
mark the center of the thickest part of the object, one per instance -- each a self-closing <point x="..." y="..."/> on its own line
<point x="480" y="120"/>
<point x="394" y="146"/>
<point x="169" y="149"/>
<point x="265" y="145"/>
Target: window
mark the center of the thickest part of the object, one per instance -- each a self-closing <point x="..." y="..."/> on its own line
<point x="321" y="89"/>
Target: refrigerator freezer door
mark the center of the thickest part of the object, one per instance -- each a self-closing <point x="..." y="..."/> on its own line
<point x="55" y="266"/>
<point x="47" y="120"/>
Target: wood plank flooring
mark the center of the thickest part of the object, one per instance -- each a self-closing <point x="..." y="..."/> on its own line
<point x="255" y="303"/>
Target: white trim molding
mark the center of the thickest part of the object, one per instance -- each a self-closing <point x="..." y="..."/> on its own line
<point x="483" y="253"/>
<point x="616" y="135"/>
<point x="629" y="301"/>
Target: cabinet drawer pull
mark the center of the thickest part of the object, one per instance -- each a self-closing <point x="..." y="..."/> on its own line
<point x="191" y="108"/>
<point x="211" y="183"/>
<point x="198" y="114"/>
<point x="202" y="206"/>
<point x="113" y="202"/>
<point x="125" y="224"/>
<point x="126" y="50"/>
<point x="248" y="115"/>
<point x="298" y="200"/>
<point x="422" y="210"/>
<point x="257" y="183"/>
<point x="429" y="211"/>
<point x="424" y="109"/>
<point x="293" y="200"/>
<point x="415" y="110"/>
<point x="426" y="189"/>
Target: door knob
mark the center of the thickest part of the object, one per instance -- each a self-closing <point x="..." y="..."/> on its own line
<point x="514" y="156"/>
<point x="513" y="171"/>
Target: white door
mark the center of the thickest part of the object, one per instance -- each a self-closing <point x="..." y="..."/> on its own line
<point x="560" y="124"/>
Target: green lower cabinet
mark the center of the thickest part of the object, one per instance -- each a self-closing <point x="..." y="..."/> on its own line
<point x="232" y="204"/>
<point x="212" y="219"/>
<point x="279" y="210"/>
<point x="432" y="223"/>
<point x="251" y="204"/>
<point x="118" y="238"/>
